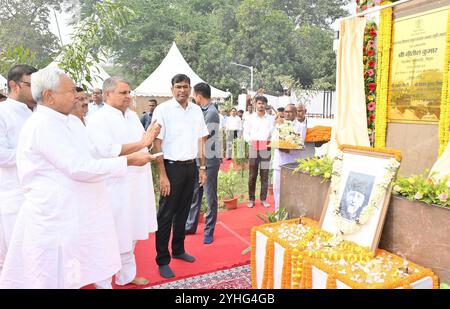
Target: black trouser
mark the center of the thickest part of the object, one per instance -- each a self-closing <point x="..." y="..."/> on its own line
<point x="258" y="160"/>
<point x="174" y="209"/>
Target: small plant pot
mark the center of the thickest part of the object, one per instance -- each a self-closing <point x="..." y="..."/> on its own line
<point x="231" y="204"/>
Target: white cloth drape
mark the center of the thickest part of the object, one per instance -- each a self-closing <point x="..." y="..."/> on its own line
<point x="350" y="123"/>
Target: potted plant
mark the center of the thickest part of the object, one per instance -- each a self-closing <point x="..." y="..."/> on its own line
<point x="227" y="186"/>
<point x="241" y="154"/>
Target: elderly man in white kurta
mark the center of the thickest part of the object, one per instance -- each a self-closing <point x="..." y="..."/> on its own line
<point x="13" y="114"/>
<point x="64" y="236"/>
<point x="283" y="156"/>
<point x="116" y="130"/>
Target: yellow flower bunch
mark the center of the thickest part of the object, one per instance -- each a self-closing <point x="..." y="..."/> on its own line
<point x="384" y="271"/>
<point x="444" y="122"/>
<point x="384" y="61"/>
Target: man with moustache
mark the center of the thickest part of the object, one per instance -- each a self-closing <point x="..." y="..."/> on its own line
<point x="182" y="139"/>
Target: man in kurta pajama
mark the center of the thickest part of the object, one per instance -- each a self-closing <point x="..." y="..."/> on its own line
<point x="13" y="114"/>
<point x="64" y="236"/>
<point x="116" y="130"/>
<point x="283" y="156"/>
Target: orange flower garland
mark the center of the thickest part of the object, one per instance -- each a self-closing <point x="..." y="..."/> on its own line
<point x="253" y="258"/>
<point x="342" y="262"/>
<point x="383" y="75"/>
<point x="444" y="121"/>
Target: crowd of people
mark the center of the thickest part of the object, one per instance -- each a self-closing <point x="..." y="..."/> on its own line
<point x="77" y="189"/>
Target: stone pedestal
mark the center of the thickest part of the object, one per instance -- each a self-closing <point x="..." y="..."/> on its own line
<point x="419" y="232"/>
<point x="413" y="230"/>
<point x="302" y="194"/>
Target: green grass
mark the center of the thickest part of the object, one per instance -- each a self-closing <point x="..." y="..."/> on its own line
<point x="445" y="286"/>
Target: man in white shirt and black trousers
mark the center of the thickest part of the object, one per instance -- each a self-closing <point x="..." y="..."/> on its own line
<point x="182" y="140"/>
<point x="258" y="131"/>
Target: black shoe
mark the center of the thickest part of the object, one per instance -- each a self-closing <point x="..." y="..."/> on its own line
<point x="166" y="272"/>
<point x="189" y="233"/>
<point x="185" y="257"/>
<point x="208" y="239"/>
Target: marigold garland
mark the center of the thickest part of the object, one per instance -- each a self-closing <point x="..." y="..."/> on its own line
<point x="339" y="263"/>
<point x="346" y="272"/>
<point x="307" y="276"/>
<point x="384" y="59"/>
<point x="444" y="122"/>
<point x="286" y="279"/>
<point x="253" y="258"/>
<point x="268" y="265"/>
<point x="331" y="282"/>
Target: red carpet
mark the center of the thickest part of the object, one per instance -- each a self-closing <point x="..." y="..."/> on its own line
<point x="225" y="166"/>
<point x="232" y="235"/>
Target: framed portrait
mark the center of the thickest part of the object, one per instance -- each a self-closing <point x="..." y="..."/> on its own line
<point x="360" y="190"/>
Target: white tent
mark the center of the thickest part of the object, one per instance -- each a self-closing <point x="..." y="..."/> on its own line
<point x="97" y="73"/>
<point x="3" y="82"/>
<point x="158" y="84"/>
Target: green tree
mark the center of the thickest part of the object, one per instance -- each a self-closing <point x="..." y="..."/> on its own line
<point x="26" y="23"/>
<point x="279" y="38"/>
<point x="320" y="13"/>
<point x="103" y="24"/>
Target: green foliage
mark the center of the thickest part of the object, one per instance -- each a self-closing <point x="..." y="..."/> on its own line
<point x="25" y="25"/>
<point x="423" y="189"/>
<point x="18" y="54"/>
<point x="276" y="37"/>
<point x="316" y="166"/>
<point x="204" y="206"/>
<point x="227" y="184"/>
<point x="80" y="58"/>
<point x="445" y="286"/>
<point x="240" y="152"/>
<point x="272" y="217"/>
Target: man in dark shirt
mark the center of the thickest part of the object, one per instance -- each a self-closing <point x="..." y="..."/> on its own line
<point x="202" y="95"/>
<point x="146" y="118"/>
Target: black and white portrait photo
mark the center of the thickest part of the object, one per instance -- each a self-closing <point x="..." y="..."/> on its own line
<point x="356" y="195"/>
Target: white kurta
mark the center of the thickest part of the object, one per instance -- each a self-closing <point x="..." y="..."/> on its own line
<point x="133" y="196"/>
<point x="280" y="158"/>
<point x="13" y="115"/>
<point x="64" y="235"/>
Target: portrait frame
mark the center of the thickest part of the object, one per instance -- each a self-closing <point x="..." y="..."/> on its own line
<point x="362" y="180"/>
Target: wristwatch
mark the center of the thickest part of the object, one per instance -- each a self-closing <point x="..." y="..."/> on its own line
<point x="202" y="167"/>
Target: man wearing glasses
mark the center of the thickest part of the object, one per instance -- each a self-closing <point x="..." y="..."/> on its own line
<point x="13" y="114"/>
<point x="182" y="139"/>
